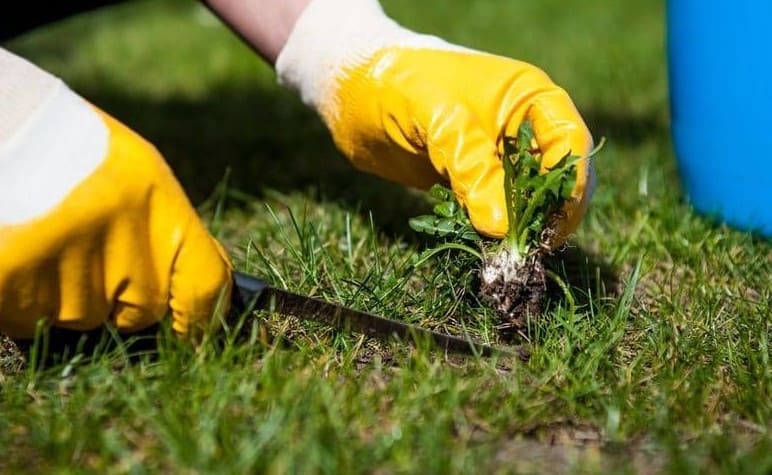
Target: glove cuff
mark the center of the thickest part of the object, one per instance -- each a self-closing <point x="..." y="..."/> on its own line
<point x="333" y="36"/>
<point x="24" y="88"/>
<point x="50" y="140"/>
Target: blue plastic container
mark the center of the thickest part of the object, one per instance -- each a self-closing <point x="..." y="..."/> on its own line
<point x="720" y="75"/>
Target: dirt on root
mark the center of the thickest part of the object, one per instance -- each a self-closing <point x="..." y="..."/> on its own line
<point x="12" y="359"/>
<point x="515" y="290"/>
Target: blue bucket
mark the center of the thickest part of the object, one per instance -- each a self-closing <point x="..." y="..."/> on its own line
<point x="720" y="77"/>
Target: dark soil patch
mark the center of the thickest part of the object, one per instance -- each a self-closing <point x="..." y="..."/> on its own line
<point x="516" y="290"/>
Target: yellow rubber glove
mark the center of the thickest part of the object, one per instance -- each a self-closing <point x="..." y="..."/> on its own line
<point x="417" y="110"/>
<point x="94" y="226"/>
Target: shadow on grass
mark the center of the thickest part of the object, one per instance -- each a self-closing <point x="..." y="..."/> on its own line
<point x="267" y="140"/>
<point x="586" y="274"/>
<point x="57" y="346"/>
<point x="626" y="128"/>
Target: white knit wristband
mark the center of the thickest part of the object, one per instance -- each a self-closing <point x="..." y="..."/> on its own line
<point x="23" y="89"/>
<point x="333" y="35"/>
<point x="50" y="140"/>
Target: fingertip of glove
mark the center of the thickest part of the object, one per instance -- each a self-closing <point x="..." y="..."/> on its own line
<point x="484" y="201"/>
<point x="205" y="305"/>
<point x="488" y="218"/>
<point x="201" y="285"/>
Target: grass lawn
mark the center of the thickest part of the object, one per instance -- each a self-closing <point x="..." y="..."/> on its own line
<point x="662" y="367"/>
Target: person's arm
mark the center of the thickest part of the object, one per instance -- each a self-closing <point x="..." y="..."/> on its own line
<point x="265" y="25"/>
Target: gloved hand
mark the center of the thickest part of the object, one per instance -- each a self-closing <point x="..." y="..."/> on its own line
<point x="417" y="110"/>
<point x="93" y="225"/>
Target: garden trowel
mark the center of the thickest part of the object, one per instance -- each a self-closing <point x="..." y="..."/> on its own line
<point x="252" y="293"/>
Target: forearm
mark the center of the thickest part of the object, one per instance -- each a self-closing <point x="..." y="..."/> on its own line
<point x="264" y="25"/>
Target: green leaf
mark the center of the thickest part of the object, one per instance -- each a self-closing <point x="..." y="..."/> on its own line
<point x="423" y="224"/>
<point x="446" y="209"/>
<point x="525" y="136"/>
<point x="470" y="235"/>
<point x="445" y="226"/>
<point x="441" y="193"/>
